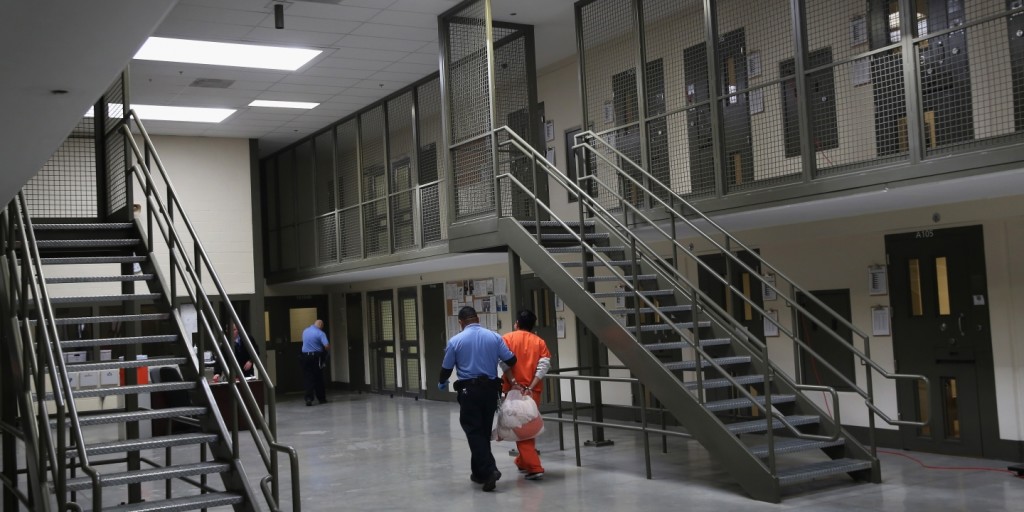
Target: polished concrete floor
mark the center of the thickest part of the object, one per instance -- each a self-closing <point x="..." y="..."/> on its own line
<point x="371" y="452"/>
<point x="364" y="452"/>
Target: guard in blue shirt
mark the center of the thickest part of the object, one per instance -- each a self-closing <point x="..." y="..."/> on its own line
<point x="314" y="357"/>
<point x="475" y="352"/>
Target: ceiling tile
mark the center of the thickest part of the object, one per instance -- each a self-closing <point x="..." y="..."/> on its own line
<point x="336" y="12"/>
<point x="291" y="37"/>
<point x="407" y="19"/>
<point x="302" y="23"/>
<point x="379" y="4"/>
<point x="396" y="32"/>
<point x="412" y="68"/>
<point x="370" y="54"/>
<point x="326" y="72"/>
<point x="399" y="77"/>
<point x="435" y="7"/>
<point x="422" y="58"/>
<point x="340" y="59"/>
<point x="223" y="15"/>
<point x="306" y="89"/>
<point x="201" y="30"/>
<point x="326" y="81"/>
<point x="242" y="5"/>
<point x="379" y="43"/>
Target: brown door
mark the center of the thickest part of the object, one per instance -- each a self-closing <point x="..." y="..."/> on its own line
<point x="940" y="327"/>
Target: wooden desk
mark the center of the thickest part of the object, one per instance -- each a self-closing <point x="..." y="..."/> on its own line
<point x="222" y="394"/>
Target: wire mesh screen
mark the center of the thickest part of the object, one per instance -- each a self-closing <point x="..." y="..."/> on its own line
<point x="400" y="142"/>
<point x="468" y="78"/>
<point x="115" y="146"/>
<point x="286" y="188"/>
<point x="324" y="165"/>
<point x="433" y="217"/>
<point x="306" y="244"/>
<point x="609" y="50"/>
<point x="347" y="144"/>
<point x="474" y="178"/>
<point x="512" y="97"/>
<point x="66" y="185"/>
<point x="327" y="239"/>
<point x="402" y="228"/>
<point x="371" y="153"/>
<point x="470" y="113"/>
<point x="289" y="247"/>
<point x="350" y="231"/>
<point x="375" y="227"/>
<point x="431" y="213"/>
<point x="304" y="184"/>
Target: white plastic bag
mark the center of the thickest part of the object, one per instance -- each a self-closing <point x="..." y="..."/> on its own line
<point x="518" y="418"/>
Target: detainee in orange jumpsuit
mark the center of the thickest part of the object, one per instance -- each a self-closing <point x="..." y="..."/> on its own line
<point x="533" y="362"/>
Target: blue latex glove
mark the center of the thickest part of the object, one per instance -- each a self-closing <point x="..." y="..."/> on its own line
<point x="442" y="386"/>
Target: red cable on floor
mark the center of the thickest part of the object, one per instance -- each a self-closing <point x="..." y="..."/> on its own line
<point x="957" y="468"/>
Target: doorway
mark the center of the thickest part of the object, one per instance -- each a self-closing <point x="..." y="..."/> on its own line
<point x="940" y="325"/>
<point x="384" y="370"/>
<point x="740" y="279"/>
<point x="408" y="332"/>
<point x="435" y="339"/>
<point x="541" y="300"/>
<point x="354" y="332"/>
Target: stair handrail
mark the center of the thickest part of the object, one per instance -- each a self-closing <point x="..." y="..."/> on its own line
<point x="863" y="356"/>
<point x="516" y="140"/>
<point x="57" y="368"/>
<point x="166" y="218"/>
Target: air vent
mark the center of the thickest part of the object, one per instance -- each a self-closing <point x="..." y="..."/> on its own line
<point x="211" y="83"/>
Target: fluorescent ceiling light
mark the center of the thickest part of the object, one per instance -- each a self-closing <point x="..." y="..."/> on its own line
<point x="225" y="54"/>
<point x="164" y="113"/>
<point x="283" y="104"/>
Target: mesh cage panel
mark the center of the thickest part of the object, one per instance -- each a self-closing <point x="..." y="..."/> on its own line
<point x="375" y="227"/>
<point x="327" y="240"/>
<point x="412" y="371"/>
<point x="403" y="236"/>
<point x="371" y="153"/>
<point x="307" y="244"/>
<point x="388" y="365"/>
<point x="346" y="141"/>
<point x="304" y="208"/>
<point x="387" y="321"/>
<point x="289" y="247"/>
<point x="474" y="178"/>
<point x="115" y="146"/>
<point x="747" y="158"/>
<point x="512" y="97"/>
<point x="400" y="142"/>
<point x="270" y="199"/>
<point x="324" y="165"/>
<point x="66" y="185"/>
<point x="431" y="212"/>
<point x="350" y="231"/>
<point x="468" y="80"/>
<point x="609" y="50"/>
<point x="433" y="218"/>
<point x="286" y="187"/>
<point x="274" y="252"/>
<point x="409" y="328"/>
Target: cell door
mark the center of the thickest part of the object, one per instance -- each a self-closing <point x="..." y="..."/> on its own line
<point x="541" y="300"/>
<point x="741" y="280"/>
<point x="384" y="370"/>
<point x="698" y="120"/>
<point x="940" y="327"/>
<point x="409" y="344"/>
<point x="354" y="331"/>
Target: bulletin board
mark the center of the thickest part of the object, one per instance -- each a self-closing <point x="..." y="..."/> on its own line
<point x="487" y="296"/>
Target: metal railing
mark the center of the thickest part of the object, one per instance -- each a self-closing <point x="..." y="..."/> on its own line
<point x="681" y="212"/>
<point x="165" y="216"/>
<point x="28" y="293"/>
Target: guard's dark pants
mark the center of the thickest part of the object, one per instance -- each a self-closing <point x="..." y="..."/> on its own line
<point x="478" y="400"/>
<point x="313" y="376"/>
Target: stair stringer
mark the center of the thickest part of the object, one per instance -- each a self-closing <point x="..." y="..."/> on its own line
<point x="749" y="471"/>
<point x="781" y="382"/>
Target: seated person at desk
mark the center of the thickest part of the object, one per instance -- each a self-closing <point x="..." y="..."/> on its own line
<point x="241" y="353"/>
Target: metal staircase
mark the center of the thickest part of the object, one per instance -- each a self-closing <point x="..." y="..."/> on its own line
<point x="97" y="447"/>
<point x="611" y="267"/>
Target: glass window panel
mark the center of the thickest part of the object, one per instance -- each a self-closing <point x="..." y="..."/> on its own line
<point x="942" y="285"/>
<point x="916" y="302"/>
<point x="950" y="411"/>
<point x="922" y="408"/>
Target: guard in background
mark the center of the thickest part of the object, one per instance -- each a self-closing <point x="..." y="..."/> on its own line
<point x="314" y="357"/>
<point x="475" y="353"/>
<point x="528" y="375"/>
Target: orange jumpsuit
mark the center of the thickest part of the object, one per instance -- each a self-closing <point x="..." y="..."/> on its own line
<point x="529" y="349"/>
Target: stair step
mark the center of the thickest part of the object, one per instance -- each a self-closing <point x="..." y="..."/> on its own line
<point x="664" y="309"/>
<point x="140" y="415"/>
<point x="724" y="383"/>
<point x="740" y="403"/>
<point x="78" y="260"/>
<point x="678" y="345"/>
<point x="573" y="236"/>
<point x="747" y="427"/>
<point x="645" y="293"/>
<point x="82" y="226"/>
<point x="196" y="502"/>
<point x="133" y="389"/>
<point x="114" y="365"/>
<point x="556" y="224"/>
<point x="641" y="277"/>
<point x="104" y="298"/>
<point x="99" y="279"/>
<point x="161" y="338"/>
<point x="668" y="327"/>
<point x="142" y="444"/>
<point x="721" y="361"/>
<point x="576" y="264"/>
<point x="88" y="243"/>
<point x="579" y="248"/>
<point x="793" y="445"/>
<point x="149" y="475"/>
<point x="110" y="318"/>
<point x="829" y="467"/>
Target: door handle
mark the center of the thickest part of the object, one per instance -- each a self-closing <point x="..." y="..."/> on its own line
<point x="960" y="324"/>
